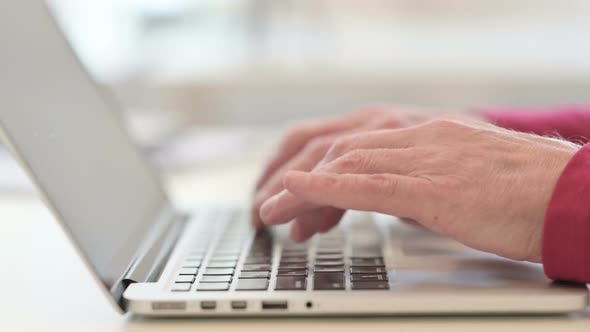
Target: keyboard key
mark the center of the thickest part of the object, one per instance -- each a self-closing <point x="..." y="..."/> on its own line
<point x="255" y="275"/>
<point x="252" y="284"/>
<point x="260" y="254"/>
<point x="227" y="254"/>
<point x="328" y="281"/>
<point x="368" y="270"/>
<point x="293" y="266"/>
<point x="329" y="269"/>
<point x="368" y="277"/>
<point x="292" y="272"/>
<point x="370" y="285"/>
<point x="331" y="244"/>
<point x="334" y="263"/>
<point x="294" y="259"/>
<point x="367" y="262"/>
<point x="213" y="286"/>
<point x="328" y="257"/>
<point x="221" y="265"/>
<point x="181" y="287"/>
<point x="366" y="254"/>
<point x="294" y="253"/>
<point x="258" y="260"/>
<point x="219" y="272"/>
<point x="189" y="271"/>
<point x="261" y="247"/>
<point x="225" y="258"/>
<point x="291" y="283"/>
<point x="194" y="265"/>
<point x="193" y="262"/>
<point x="295" y="246"/>
<point x="256" y="267"/>
<point x="216" y="279"/>
<point x="323" y="251"/>
<point x="185" y="279"/>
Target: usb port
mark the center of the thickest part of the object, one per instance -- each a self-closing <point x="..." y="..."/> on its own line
<point x="274" y="305"/>
<point x="156" y="306"/>
<point x="208" y="305"/>
<point x="240" y="305"/>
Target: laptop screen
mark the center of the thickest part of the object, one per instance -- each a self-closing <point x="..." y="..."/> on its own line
<point x="72" y="141"/>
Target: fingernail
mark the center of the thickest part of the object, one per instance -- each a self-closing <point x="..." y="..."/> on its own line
<point x="267" y="208"/>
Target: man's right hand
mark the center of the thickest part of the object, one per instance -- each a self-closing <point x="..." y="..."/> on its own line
<point x="305" y="145"/>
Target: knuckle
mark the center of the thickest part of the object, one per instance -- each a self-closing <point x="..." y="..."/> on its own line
<point x="448" y="121"/>
<point x="391" y="122"/>
<point x="318" y="146"/>
<point x="383" y="185"/>
<point x="326" y="182"/>
<point x="340" y="146"/>
<point x="351" y="161"/>
<point x="442" y="125"/>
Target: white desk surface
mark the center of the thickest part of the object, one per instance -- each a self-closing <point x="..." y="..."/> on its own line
<point x="44" y="287"/>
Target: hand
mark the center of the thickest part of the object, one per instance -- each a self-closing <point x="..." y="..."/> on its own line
<point x="482" y="185"/>
<point x="306" y="144"/>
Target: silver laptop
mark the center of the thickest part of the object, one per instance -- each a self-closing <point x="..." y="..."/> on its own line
<point x="155" y="261"/>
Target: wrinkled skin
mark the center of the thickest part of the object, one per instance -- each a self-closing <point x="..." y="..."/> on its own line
<point x="482" y="185"/>
<point x="305" y="144"/>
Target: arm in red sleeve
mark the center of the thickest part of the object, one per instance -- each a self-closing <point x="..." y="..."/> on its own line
<point x="569" y="122"/>
<point x="566" y="235"/>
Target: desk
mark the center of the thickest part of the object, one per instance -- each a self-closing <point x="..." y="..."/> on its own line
<point x="44" y="286"/>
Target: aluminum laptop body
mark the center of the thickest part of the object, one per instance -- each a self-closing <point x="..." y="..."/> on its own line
<point x="152" y="260"/>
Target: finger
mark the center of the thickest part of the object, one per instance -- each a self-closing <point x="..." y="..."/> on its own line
<point x="304" y="161"/>
<point x="401" y="138"/>
<point x="297" y="138"/>
<point x="311" y="154"/>
<point x="288" y="207"/>
<point x="385" y="193"/>
<point x="331" y="218"/>
<point x="284" y="206"/>
<point x="379" y="161"/>
<point x="303" y="227"/>
<point x="316" y="221"/>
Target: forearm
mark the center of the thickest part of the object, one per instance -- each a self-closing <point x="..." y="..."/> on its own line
<point x="569" y="122"/>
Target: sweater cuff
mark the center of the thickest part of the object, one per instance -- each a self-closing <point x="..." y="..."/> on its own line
<point x="566" y="235"/>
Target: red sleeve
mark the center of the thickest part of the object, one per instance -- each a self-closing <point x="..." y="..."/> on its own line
<point x="569" y="122"/>
<point x="566" y="236"/>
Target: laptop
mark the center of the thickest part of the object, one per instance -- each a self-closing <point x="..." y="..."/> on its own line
<point x="153" y="260"/>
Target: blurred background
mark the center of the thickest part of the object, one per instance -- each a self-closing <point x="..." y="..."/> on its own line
<point x="200" y="79"/>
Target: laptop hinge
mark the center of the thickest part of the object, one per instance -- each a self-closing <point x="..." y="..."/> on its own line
<point x="150" y="262"/>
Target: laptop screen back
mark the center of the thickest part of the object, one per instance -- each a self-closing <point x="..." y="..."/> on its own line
<point x="72" y="141"/>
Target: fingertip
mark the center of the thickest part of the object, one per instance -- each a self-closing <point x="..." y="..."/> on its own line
<point x="266" y="210"/>
<point x="331" y="218"/>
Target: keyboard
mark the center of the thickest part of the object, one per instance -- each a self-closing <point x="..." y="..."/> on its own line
<point x="238" y="260"/>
